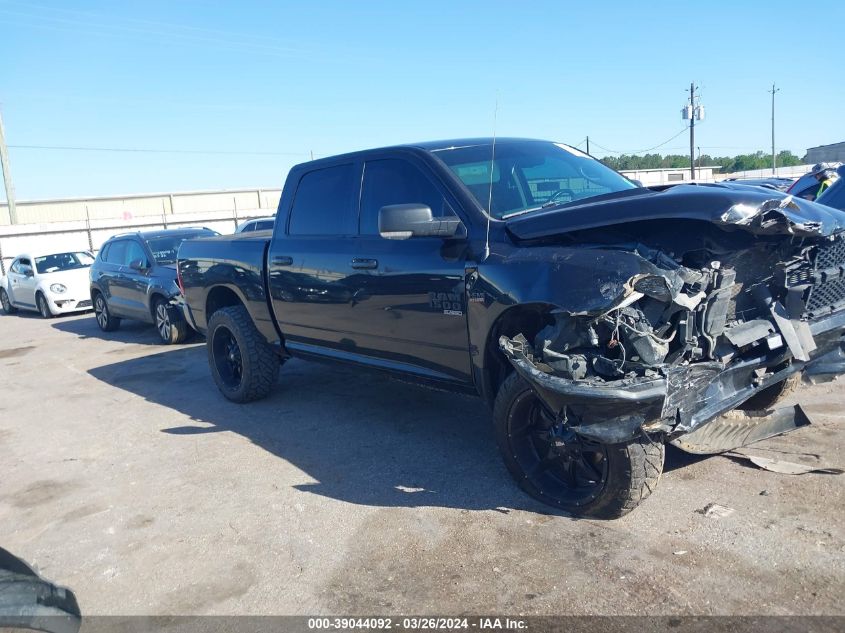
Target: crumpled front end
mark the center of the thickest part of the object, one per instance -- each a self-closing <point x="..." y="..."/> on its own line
<point x="692" y="336"/>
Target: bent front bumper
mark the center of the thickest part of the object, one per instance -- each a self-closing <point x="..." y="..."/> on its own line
<point x="679" y="399"/>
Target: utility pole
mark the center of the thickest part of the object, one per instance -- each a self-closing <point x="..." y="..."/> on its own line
<point x="588" y="144"/>
<point x="692" y="112"/>
<point x="774" y="156"/>
<point x="692" y="132"/>
<point x="7" y="175"/>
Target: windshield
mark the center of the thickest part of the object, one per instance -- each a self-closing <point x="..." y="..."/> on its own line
<point x="165" y="248"/>
<point x="526" y="175"/>
<point x="63" y="261"/>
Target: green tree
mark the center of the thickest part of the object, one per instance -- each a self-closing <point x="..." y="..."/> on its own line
<point x="728" y="164"/>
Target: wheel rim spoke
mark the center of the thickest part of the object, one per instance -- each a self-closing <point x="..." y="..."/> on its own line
<point x="227" y="357"/>
<point x="163" y="321"/>
<point x="563" y="467"/>
<point x="100" y="311"/>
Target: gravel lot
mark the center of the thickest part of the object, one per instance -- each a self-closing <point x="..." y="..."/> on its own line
<point x="126" y="476"/>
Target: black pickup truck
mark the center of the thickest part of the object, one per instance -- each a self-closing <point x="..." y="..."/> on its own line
<point x="597" y="318"/>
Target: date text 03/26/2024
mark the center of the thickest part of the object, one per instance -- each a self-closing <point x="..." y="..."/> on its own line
<point x="418" y="624"/>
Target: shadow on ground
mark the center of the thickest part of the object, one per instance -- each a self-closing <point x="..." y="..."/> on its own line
<point x="676" y="459"/>
<point x="129" y="331"/>
<point x="364" y="438"/>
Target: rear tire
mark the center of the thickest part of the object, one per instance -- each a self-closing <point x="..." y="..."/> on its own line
<point x="43" y="306"/>
<point x="105" y="320"/>
<point x="8" y="308"/>
<point x="244" y="366"/>
<point x="555" y="466"/>
<point x="172" y="328"/>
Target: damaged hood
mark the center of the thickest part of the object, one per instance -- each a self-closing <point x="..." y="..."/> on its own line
<point x="760" y="212"/>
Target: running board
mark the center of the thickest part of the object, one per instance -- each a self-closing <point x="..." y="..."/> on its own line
<point x="741" y="428"/>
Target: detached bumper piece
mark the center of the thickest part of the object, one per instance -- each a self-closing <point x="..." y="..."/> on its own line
<point x="741" y="428"/>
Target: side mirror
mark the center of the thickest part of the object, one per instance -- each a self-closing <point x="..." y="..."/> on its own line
<point x="401" y="221"/>
<point x="639" y="183"/>
<point x="28" y="272"/>
<point x="138" y="264"/>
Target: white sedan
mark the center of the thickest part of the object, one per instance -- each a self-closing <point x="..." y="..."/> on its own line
<point x="50" y="284"/>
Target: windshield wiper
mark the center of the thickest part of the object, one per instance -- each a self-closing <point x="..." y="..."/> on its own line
<point x="522" y="212"/>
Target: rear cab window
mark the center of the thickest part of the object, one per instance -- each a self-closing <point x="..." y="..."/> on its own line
<point x="324" y="203"/>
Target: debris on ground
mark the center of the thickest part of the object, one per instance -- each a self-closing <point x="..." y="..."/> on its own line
<point x="784" y="467"/>
<point x="716" y="511"/>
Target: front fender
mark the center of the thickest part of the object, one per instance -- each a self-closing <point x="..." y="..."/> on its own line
<point x="577" y="280"/>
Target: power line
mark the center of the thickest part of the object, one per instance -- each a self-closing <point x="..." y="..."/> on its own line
<point x="146" y="150"/>
<point x="166" y="31"/>
<point x="639" y="151"/>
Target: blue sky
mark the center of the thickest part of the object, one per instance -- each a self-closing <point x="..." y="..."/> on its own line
<point x="284" y="79"/>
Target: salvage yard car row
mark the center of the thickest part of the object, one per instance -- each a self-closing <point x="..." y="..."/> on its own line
<point x="598" y="319"/>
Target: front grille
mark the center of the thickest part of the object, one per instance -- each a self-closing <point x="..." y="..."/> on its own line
<point x="826" y="278"/>
<point x="85" y="303"/>
<point x="828" y="294"/>
<point x="831" y="255"/>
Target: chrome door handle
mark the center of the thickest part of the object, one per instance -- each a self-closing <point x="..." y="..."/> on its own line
<point x="363" y="263"/>
<point x="281" y="260"/>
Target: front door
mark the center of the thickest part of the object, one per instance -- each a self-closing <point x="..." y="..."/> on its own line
<point x="22" y="283"/>
<point x="414" y="310"/>
<point x="134" y="281"/>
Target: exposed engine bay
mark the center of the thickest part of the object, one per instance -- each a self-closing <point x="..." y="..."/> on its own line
<point x="711" y="319"/>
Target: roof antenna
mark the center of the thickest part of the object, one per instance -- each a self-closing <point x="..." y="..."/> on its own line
<point x="490" y="194"/>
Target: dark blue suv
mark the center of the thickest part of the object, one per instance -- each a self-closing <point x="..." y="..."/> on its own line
<point x="134" y="277"/>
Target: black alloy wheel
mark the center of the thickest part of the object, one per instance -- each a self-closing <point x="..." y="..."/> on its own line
<point x="227" y="357"/>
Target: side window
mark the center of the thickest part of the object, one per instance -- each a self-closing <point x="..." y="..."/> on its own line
<point x="264" y="225"/>
<point x="104" y="252"/>
<point x="116" y="253"/>
<point x="16" y="267"/>
<point x="394" y="181"/>
<point x="25" y="266"/>
<point x="135" y="251"/>
<point x="322" y="204"/>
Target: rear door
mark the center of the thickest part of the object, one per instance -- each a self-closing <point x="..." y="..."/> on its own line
<point x="109" y="276"/>
<point x="311" y="279"/>
<point x="414" y="311"/>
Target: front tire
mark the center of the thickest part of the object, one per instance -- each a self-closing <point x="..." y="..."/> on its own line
<point x="43" y="306"/>
<point x="563" y="470"/>
<point x="242" y="364"/>
<point x="8" y="308"/>
<point x="105" y="320"/>
<point x="767" y="398"/>
<point x="171" y="328"/>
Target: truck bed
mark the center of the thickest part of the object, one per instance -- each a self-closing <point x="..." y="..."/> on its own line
<point x="234" y="266"/>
